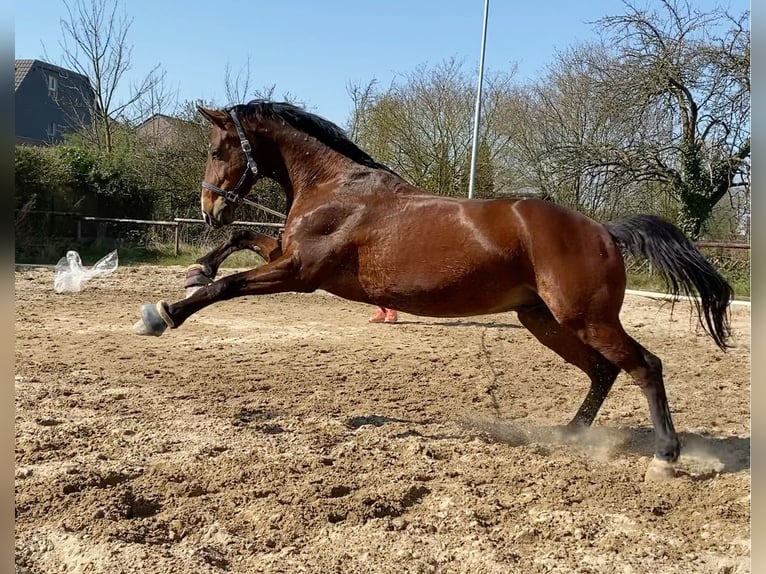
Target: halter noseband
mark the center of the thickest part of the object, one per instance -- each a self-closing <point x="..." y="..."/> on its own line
<point x="232" y="196"/>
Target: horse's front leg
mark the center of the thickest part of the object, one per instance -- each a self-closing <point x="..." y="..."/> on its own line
<point x="203" y="271"/>
<point x="276" y="277"/>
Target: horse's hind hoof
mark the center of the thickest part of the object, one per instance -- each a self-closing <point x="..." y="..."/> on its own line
<point x="659" y="470"/>
<point x="152" y="321"/>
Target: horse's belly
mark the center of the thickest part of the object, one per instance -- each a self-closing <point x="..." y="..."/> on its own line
<point x="478" y="293"/>
<point x="455" y="287"/>
<point x="465" y="303"/>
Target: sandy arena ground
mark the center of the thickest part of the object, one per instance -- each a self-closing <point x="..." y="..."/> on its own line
<point x="287" y="434"/>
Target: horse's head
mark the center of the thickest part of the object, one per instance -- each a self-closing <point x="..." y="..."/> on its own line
<point x="230" y="171"/>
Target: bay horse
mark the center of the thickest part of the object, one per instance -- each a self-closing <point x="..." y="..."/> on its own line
<point x="203" y="271"/>
<point x="356" y="229"/>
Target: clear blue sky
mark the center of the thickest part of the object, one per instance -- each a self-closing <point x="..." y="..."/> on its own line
<point x="314" y="48"/>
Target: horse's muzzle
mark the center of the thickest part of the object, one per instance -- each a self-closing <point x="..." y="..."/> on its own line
<point x="211" y="221"/>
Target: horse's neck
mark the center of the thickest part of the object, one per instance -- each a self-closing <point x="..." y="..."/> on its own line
<point x="302" y="163"/>
<point x="309" y="163"/>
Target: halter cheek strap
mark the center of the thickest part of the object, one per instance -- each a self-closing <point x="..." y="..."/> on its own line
<point x="233" y="195"/>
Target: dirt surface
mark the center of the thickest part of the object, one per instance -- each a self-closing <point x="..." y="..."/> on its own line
<point x="287" y="434"/>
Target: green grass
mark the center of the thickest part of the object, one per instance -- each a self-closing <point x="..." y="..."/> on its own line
<point x="190" y="254"/>
<point x="50" y="252"/>
<point x="651" y="282"/>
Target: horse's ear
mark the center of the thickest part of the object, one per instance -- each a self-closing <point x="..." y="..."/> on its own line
<point x="214" y="116"/>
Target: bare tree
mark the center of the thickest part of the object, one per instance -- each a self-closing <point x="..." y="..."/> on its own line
<point x="362" y="98"/>
<point x="659" y="107"/>
<point x="171" y="161"/>
<point x="421" y="126"/>
<point x="558" y="123"/>
<point x="95" y="44"/>
<point x="686" y="73"/>
<point x="158" y="98"/>
<point x="237" y="87"/>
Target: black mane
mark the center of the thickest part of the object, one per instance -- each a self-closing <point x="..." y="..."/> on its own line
<point x="323" y="130"/>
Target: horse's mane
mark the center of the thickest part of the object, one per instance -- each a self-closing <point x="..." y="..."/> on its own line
<point x="319" y="128"/>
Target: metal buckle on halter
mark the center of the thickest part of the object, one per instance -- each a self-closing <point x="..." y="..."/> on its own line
<point x="245" y="145"/>
<point x="231" y="196"/>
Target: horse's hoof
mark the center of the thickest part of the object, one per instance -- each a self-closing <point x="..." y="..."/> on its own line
<point x="152" y="321"/>
<point x="197" y="276"/>
<point x="659" y="470"/>
<point x="570" y="433"/>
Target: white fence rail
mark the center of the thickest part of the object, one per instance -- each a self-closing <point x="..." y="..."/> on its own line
<point x="176" y="223"/>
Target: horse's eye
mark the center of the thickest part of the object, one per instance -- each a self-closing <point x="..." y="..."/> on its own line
<point x="215" y="153"/>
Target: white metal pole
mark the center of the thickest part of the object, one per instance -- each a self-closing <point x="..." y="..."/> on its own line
<point x="477" y="112"/>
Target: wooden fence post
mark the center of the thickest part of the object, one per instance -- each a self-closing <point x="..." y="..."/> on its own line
<point x="178" y="226"/>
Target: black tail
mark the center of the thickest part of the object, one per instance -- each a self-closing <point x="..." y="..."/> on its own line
<point x="684" y="268"/>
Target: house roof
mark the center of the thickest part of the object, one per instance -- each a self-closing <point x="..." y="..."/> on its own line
<point x="156" y="117"/>
<point x="23" y="67"/>
<point x="21" y="140"/>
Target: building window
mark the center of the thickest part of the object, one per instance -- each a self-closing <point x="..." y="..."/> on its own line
<point x="53" y="86"/>
<point x="52" y="130"/>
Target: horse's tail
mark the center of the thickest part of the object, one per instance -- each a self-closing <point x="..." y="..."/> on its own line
<point x="683" y="267"/>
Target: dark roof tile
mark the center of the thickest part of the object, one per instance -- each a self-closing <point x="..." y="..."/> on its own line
<point x="21" y="70"/>
<point x="23" y="67"/>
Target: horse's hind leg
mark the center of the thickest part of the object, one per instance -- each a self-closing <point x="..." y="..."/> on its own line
<point x="646" y="370"/>
<point x="565" y="342"/>
<point x="601" y="350"/>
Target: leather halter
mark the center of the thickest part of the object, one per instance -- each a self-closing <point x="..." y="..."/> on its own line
<point x="233" y="195"/>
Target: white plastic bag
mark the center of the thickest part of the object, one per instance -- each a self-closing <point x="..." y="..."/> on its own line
<point x="69" y="275"/>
